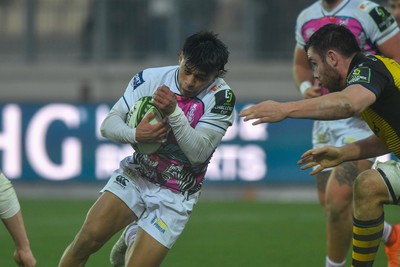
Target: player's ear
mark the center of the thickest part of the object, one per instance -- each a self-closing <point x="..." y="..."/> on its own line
<point x="332" y="58"/>
<point x="180" y="58"/>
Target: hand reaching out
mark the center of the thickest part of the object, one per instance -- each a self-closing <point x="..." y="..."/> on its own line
<point x="322" y="158"/>
<point x="267" y="111"/>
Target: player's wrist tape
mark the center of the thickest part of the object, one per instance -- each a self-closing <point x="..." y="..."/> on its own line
<point x="176" y="112"/>
<point x="304" y="86"/>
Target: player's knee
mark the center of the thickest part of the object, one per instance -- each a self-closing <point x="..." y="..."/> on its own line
<point x="338" y="210"/>
<point x="367" y="187"/>
<point x="86" y="243"/>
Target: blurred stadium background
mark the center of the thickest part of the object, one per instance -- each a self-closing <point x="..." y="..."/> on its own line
<point x="63" y="63"/>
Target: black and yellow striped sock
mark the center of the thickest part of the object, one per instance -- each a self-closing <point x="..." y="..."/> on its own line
<point x="367" y="236"/>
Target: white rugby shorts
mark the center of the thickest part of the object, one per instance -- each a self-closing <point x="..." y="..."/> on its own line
<point x="162" y="213"/>
<point x="339" y="133"/>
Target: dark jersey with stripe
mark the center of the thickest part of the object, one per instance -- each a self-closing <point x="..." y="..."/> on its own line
<point x="381" y="76"/>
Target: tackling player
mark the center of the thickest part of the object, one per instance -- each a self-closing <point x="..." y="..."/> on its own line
<point x="360" y="84"/>
<point x="376" y="32"/>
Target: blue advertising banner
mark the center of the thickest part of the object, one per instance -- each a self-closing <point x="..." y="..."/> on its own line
<point x="62" y="142"/>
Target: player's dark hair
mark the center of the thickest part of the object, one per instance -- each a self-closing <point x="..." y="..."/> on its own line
<point x="335" y="37"/>
<point x="205" y="52"/>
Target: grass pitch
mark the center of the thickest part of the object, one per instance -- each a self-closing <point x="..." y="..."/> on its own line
<point x="219" y="234"/>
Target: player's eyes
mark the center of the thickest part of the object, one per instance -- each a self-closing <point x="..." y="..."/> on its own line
<point x="201" y="78"/>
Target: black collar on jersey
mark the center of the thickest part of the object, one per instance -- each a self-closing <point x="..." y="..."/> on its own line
<point x="177" y="79"/>
<point x="356" y="59"/>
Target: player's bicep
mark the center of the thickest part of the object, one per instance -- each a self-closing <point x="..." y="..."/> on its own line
<point x="360" y="97"/>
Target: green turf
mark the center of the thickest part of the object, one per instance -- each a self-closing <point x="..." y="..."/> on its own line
<point x="231" y="234"/>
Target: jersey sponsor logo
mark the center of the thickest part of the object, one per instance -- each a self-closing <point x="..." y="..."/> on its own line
<point x="382" y="18"/>
<point x="360" y="74"/>
<point x="159" y="224"/>
<point x="224" y="103"/>
<point x="192" y="113"/>
<point x="138" y="80"/>
<point x="121" y="180"/>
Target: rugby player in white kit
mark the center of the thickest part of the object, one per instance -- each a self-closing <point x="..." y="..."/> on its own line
<point x="157" y="192"/>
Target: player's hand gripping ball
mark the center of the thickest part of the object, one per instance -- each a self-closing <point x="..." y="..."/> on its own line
<point x="143" y="107"/>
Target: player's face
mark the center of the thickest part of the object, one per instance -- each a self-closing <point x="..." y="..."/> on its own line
<point x="192" y="81"/>
<point x="328" y="76"/>
<point x="394" y="8"/>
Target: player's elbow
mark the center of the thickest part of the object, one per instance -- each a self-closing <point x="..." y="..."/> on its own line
<point x="199" y="158"/>
<point x="196" y="159"/>
<point x="103" y="129"/>
<point x="349" y="110"/>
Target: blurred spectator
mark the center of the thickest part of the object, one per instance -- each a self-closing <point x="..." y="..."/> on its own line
<point x="160" y="13"/>
<point x="4" y="10"/>
<point x="126" y="24"/>
<point x="196" y="15"/>
<point x="272" y="19"/>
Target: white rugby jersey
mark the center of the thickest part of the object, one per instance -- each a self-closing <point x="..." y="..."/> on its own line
<point x="370" y="23"/>
<point x="213" y="108"/>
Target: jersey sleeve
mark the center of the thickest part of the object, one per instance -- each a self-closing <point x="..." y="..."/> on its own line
<point x="114" y="126"/>
<point x="378" y="22"/>
<point x="220" y="111"/>
<point x="300" y="42"/>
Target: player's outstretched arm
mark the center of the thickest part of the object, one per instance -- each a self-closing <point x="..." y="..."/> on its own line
<point x="330" y="156"/>
<point x="337" y="105"/>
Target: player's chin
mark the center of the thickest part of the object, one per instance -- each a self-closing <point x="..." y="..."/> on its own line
<point x="187" y="93"/>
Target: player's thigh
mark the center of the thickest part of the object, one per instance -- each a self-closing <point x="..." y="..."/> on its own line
<point x="339" y="189"/>
<point x="346" y="173"/>
<point x="107" y="216"/>
<point x="321" y="180"/>
<point x="145" y="251"/>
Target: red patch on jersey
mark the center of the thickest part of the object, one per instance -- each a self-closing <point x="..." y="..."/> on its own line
<point x="214" y="88"/>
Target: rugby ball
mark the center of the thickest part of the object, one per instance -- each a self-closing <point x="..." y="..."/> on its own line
<point x="143" y="107"/>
